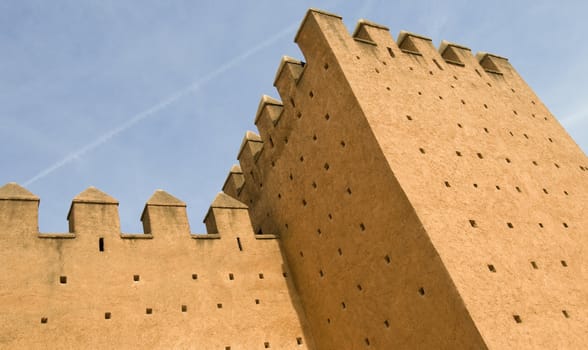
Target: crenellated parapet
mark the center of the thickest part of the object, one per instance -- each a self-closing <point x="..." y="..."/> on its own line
<point x="332" y="54"/>
<point x="325" y="42"/>
<point x="94" y="213"/>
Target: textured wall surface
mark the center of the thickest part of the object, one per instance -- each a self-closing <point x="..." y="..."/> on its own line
<point x="425" y="198"/>
<point x="398" y="197"/>
<point x="96" y="288"/>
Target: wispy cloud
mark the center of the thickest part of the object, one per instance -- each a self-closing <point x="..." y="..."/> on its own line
<point x="151" y="111"/>
<point x="573" y="119"/>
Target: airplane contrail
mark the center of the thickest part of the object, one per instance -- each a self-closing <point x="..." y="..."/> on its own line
<point x="160" y="105"/>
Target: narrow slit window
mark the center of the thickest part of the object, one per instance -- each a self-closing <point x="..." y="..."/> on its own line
<point x="390" y="52"/>
<point x="101" y="244"/>
<point x="239" y="243"/>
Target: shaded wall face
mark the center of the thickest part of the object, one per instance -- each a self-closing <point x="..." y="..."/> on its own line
<point x="363" y="265"/>
<point x="95" y="289"/>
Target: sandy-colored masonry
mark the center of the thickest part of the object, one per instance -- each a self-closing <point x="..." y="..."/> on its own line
<point x="425" y="198"/>
<point x="96" y="288"/>
<point x="398" y="197"/>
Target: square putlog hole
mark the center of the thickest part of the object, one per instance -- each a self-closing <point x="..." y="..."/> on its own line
<point x="107" y="315"/>
<point x="63" y="279"/>
<point x="184" y="308"/>
<point x="517" y="318"/>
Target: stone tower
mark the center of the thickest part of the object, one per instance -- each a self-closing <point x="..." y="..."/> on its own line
<point x="425" y="198"/>
<point x="398" y="196"/>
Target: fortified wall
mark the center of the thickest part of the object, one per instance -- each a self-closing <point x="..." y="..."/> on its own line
<point x="95" y="287"/>
<point x="425" y="198"/>
<point x="398" y="196"/>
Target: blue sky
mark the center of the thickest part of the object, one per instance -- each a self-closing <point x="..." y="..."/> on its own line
<point x="132" y="96"/>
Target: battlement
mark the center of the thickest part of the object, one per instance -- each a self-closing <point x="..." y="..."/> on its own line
<point x="320" y="30"/>
<point x="401" y="196"/>
<point x="164" y="216"/>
